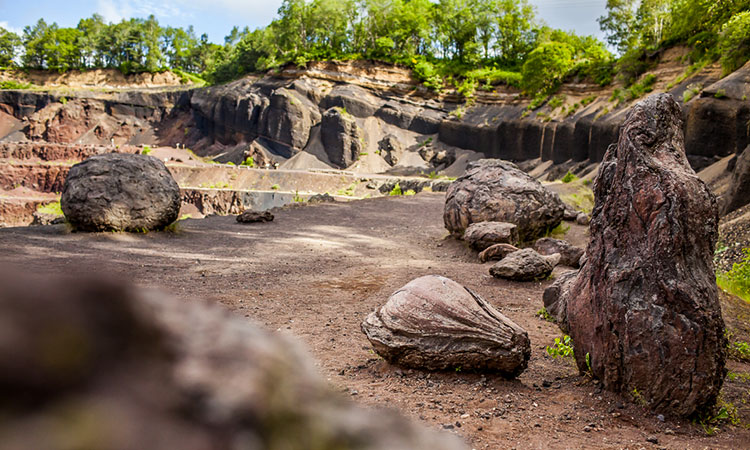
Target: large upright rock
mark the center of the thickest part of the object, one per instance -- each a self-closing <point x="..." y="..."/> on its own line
<point x="435" y="323"/>
<point x="287" y="121"/>
<point x="91" y="363"/>
<point x="644" y="309"/>
<point x="342" y="138"/>
<point x="120" y="192"/>
<point x="738" y="194"/>
<point x="497" y="190"/>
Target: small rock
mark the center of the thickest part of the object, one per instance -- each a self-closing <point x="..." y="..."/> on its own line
<point x="321" y="198"/>
<point x="524" y="265"/>
<point x="669" y="432"/>
<point x="587" y="429"/>
<point x="482" y="235"/>
<point x="583" y="219"/>
<point x="660" y="418"/>
<point x="570" y="254"/>
<point x="570" y="214"/>
<point x="497" y="252"/>
<point x="652" y="439"/>
<point x="253" y="216"/>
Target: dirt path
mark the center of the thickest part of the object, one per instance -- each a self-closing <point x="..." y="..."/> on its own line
<point x="316" y="271"/>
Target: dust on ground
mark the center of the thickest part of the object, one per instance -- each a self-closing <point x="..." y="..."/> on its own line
<point x="316" y="271"/>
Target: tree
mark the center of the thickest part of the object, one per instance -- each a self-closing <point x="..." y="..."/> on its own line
<point x="546" y="66"/>
<point x="9" y="42"/>
<point x="620" y="24"/>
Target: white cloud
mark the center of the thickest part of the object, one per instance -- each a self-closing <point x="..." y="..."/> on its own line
<point x="115" y="11"/>
<point x="4" y="24"/>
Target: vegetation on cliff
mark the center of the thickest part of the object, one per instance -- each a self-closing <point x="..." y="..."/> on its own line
<point x="469" y="44"/>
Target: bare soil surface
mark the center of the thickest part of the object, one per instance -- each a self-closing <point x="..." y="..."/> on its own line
<point x="317" y="270"/>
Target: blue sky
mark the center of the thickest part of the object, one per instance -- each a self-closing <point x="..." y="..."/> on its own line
<point x="217" y="17"/>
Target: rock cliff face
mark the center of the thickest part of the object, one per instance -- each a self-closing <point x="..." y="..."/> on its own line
<point x="280" y="113"/>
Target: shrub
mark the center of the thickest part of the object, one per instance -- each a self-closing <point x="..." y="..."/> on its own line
<point x="428" y="75"/>
<point x="396" y="190"/>
<point x="249" y="162"/>
<point x="734" y="42"/>
<point x="146" y="150"/>
<point x="562" y="348"/>
<point x="569" y="177"/>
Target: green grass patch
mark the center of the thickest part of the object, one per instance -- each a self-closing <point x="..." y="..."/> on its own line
<point x="53" y="208"/>
<point x="13" y="84"/>
<point x="557" y="232"/>
<point x="736" y="281"/>
<point x="146" y="150"/>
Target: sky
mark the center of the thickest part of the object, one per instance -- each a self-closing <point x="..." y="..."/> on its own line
<point x="217" y="17"/>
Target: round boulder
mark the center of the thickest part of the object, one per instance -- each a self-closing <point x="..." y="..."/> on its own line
<point x="497" y="190"/>
<point x="120" y="192"/>
<point x="435" y="323"/>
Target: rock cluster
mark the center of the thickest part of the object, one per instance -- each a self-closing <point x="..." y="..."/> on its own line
<point x="120" y="192"/>
<point x="435" y="323"/>
<point x="102" y="365"/>
<point x="497" y="190"/>
<point x="643" y="311"/>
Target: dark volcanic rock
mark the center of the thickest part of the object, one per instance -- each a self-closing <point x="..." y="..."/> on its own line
<point x="570" y="255"/>
<point x="481" y="235"/>
<point x="496" y="190"/>
<point x="645" y="307"/>
<point x="391" y="149"/>
<point x="356" y="100"/>
<point x="120" y="192"/>
<point x="525" y="265"/>
<point x="253" y="217"/>
<point x="738" y="194"/>
<point x="497" y="252"/>
<point x="321" y="198"/>
<point x="341" y="137"/>
<point x="169" y="374"/>
<point x="287" y="121"/>
<point x="435" y="323"/>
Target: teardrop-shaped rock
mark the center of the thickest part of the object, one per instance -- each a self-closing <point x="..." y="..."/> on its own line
<point x="435" y="323"/>
<point x="644" y="312"/>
